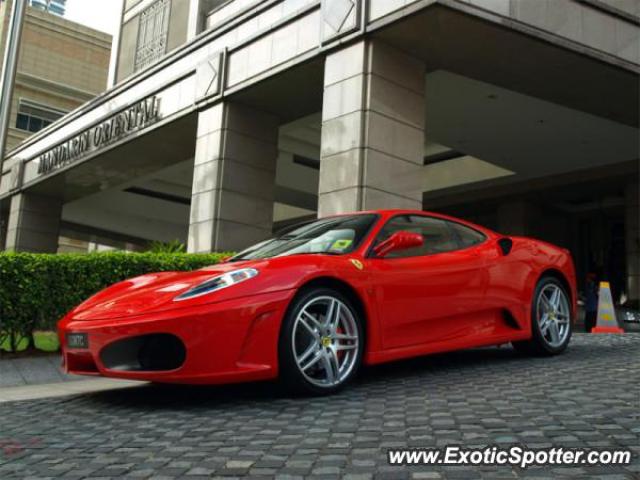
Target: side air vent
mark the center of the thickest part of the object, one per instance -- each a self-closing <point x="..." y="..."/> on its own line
<point x="505" y="244"/>
<point x="509" y="319"/>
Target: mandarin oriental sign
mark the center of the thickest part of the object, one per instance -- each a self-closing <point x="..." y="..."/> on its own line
<point x="114" y="128"/>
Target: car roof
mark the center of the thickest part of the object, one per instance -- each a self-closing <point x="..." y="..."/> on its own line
<point x="391" y="212"/>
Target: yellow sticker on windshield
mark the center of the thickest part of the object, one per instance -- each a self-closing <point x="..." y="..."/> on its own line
<point x="341" y="245"/>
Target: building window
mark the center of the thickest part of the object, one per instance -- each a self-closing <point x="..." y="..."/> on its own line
<point x="152" y="34"/>
<point x="33" y="117"/>
<point x="51" y="6"/>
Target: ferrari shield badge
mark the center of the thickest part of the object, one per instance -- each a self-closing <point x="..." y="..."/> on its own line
<point x="357" y="263"/>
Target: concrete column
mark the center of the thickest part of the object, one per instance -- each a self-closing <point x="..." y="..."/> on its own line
<point x="372" y="129"/>
<point x="233" y="179"/>
<point x="195" y="19"/>
<point x="115" y="48"/>
<point x="632" y="241"/>
<point x="4" y="220"/>
<point x="34" y="223"/>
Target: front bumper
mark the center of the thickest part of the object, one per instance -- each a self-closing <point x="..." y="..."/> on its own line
<point x="225" y="342"/>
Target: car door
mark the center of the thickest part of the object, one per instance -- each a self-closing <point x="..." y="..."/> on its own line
<point x="429" y="293"/>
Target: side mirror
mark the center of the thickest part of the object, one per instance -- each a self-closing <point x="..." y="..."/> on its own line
<point x="398" y="241"/>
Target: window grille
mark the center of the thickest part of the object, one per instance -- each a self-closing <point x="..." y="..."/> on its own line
<point x="152" y="34"/>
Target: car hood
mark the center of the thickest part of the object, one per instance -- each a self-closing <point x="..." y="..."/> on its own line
<point x="154" y="292"/>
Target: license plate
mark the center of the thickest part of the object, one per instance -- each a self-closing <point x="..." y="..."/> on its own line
<point x="77" y="340"/>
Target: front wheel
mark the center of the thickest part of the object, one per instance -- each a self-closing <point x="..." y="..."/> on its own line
<point x="321" y="343"/>
<point x="550" y="319"/>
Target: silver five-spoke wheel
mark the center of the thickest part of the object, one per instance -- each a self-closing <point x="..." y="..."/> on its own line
<point x="325" y="341"/>
<point x="553" y="315"/>
<point x="551" y="318"/>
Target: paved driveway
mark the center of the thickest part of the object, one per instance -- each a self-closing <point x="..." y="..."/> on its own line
<point x="589" y="397"/>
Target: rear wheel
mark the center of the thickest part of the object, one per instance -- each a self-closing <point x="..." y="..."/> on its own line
<point x="550" y="319"/>
<point x="321" y="343"/>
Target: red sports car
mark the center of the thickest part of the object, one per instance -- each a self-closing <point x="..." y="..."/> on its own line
<point x="313" y="304"/>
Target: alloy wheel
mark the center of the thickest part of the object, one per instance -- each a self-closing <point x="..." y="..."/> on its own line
<point x="325" y="341"/>
<point x="553" y="315"/>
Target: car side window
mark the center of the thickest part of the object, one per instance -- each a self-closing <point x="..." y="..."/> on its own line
<point x="468" y="237"/>
<point x="438" y="237"/>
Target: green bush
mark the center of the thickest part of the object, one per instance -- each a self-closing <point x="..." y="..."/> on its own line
<point x="37" y="290"/>
<point x="175" y="246"/>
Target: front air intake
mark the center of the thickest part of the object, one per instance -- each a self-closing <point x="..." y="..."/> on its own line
<point x="145" y="353"/>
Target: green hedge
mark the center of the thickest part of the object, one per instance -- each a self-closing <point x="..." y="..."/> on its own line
<point x="36" y="290"/>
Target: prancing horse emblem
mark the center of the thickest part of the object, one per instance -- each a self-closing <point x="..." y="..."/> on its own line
<point x="357" y="263"/>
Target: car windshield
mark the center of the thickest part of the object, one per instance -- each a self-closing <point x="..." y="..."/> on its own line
<point x="331" y="236"/>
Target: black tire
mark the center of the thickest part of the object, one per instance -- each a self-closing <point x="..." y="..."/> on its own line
<point x="291" y="376"/>
<point x="538" y="344"/>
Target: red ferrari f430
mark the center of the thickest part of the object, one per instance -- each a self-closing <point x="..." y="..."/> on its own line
<point x="315" y="303"/>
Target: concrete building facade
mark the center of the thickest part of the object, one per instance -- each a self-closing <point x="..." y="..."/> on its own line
<point x="227" y="120"/>
<point x="62" y="65"/>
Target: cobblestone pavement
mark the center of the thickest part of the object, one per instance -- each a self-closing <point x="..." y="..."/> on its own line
<point x="589" y="397"/>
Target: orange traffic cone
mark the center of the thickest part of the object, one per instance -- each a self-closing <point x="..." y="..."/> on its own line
<point x="606" y="321"/>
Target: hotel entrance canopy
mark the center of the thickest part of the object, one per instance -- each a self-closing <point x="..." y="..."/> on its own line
<point x="259" y="48"/>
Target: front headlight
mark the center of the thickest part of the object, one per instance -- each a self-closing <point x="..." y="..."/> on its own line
<point x="217" y="283"/>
